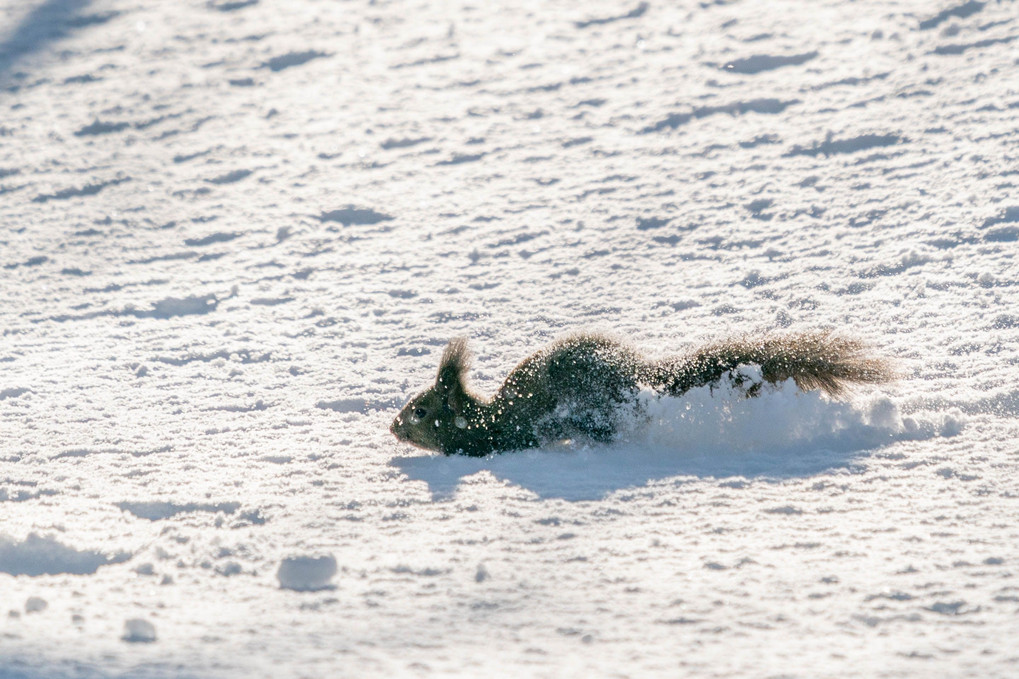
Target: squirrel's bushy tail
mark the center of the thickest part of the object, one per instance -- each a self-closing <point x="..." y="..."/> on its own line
<point x="814" y="360"/>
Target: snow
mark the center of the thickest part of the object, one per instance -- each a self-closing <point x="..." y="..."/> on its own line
<point x="307" y="573"/>
<point x="137" y="630"/>
<point x="36" y="555"/>
<point x="235" y="239"/>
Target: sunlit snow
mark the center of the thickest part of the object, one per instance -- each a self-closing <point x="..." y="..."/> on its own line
<point x="235" y="236"/>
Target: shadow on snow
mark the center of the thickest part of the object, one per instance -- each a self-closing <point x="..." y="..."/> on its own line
<point x="593" y="472"/>
<point x="781" y="435"/>
<point x="48" y="22"/>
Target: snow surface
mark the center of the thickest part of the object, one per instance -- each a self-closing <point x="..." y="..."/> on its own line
<point x="235" y="237"/>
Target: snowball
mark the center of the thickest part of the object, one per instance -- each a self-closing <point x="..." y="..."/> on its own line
<point x="229" y="568"/>
<point x="307" y="573"/>
<point x="482" y="573"/>
<point x="35" y="604"/>
<point x="137" y="630"/>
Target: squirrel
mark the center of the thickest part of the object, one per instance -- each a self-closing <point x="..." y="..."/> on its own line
<point x="578" y="386"/>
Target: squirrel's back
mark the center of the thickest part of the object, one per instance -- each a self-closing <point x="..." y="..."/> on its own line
<point x="581" y="385"/>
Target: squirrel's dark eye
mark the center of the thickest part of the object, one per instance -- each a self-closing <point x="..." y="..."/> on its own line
<point x="420" y="413"/>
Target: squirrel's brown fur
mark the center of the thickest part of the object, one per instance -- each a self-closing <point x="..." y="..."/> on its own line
<point x="580" y="385"/>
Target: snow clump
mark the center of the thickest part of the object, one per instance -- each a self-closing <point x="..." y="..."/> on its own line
<point x="307" y="573"/>
<point x="139" y="630"/>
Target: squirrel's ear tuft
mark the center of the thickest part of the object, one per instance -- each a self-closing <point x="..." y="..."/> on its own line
<point x="450" y="382"/>
<point x="453" y="367"/>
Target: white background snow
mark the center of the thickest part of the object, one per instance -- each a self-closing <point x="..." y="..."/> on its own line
<point x="235" y="236"/>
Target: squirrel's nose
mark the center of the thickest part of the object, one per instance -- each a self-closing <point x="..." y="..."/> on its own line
<point x="395" y="425"/>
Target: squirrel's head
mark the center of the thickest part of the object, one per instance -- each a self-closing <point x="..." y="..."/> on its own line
<point x="435" y="418"/>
